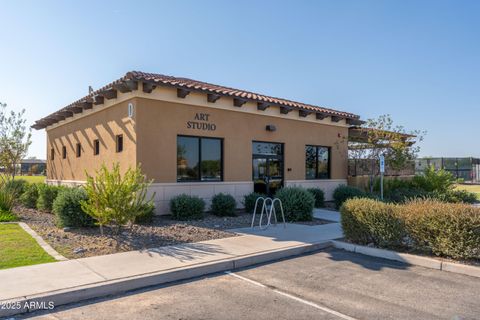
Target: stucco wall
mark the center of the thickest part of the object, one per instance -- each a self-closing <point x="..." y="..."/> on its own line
<point x="159" y="123"/>
<point x="103" y="125"/>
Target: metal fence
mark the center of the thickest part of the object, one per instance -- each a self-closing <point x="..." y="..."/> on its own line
<point x="467" y="169"/>
<point x="363" y="167"/>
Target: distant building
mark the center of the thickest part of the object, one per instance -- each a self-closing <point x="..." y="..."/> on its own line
<point x="32" y="167"/>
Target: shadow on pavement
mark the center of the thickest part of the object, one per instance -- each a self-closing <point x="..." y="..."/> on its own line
<point x="187" y="251"/>
<point x="367" y="262"/>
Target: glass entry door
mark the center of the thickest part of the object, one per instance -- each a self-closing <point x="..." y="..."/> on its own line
<point x="267" y="167"/>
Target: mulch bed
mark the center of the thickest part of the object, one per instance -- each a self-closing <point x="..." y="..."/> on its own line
<point x="163" y="231"/>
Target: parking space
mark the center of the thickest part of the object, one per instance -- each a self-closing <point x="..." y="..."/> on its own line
<point x="331" y="284"/>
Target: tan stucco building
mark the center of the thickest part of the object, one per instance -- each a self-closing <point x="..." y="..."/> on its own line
<point x="197" y="138"/>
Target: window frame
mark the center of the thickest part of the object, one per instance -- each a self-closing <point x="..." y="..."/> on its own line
<point x="119" y="137"/>
<point x="329" y="166"/>
<point x="96" y="147"/>
<point x="200" y="159"/>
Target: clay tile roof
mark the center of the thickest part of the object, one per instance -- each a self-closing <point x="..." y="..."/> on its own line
<point x="200" y="86"/>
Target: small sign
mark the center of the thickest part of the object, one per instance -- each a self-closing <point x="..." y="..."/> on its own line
<point x="382" y="164"/>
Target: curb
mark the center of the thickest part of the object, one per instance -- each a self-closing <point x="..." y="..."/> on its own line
<point x="112" y="287"/>
<point x="411" y="259"/>
<point x="45" y="246"/>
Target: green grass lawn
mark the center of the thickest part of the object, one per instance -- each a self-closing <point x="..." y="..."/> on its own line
<point x="32" y="179"/>
<point x="18" y="248"/>
<point x="471" y="188"/>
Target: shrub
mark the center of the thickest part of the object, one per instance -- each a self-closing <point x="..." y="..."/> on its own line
<point x="319" y="196"/>
<point x="7" y="216"/>
<point x="46" y="195"/>
<point x="366" y="221"/>
<point x="403" y="195"/>
<point x="30" y="196"/>
<point x="17" y="187"/>
<point x="431" y="180"/>
<point x="68" y="210"/>
<point x="114" y="198"/>
<point x="297" y="203"/>
<point x="147" y="214"/>
<point x="7" y="199"/>
<point x="185" y="207"/>
<point x="451" y="230"/>
<point x="223" y="205"/>
<point x="461" y="196"/>
<point x="343" y="193"/>
<point x="249" y="201"/>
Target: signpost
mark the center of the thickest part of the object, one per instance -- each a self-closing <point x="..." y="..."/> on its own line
<point x="382" y="171"/>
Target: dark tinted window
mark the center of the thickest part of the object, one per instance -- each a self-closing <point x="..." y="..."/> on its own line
<point x="119" y="143"/>
<point x="96" y="147"/>
<point x="79" y="150"/>
<point x="52" y="154"/>
<point x="199" y="159"/>
<point x="267" y="148"/>
<point x="317" y="162"/>
<point x="64" y="152"/>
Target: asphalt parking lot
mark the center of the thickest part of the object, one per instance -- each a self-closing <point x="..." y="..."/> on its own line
<point x="331" y="284"/>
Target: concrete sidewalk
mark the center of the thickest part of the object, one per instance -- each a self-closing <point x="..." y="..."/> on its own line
<point x="75" y="280"/>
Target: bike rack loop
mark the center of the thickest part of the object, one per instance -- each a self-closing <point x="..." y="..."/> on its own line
<point x="268" y="211"/>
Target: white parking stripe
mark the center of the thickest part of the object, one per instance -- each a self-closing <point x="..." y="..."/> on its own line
<point x="312" y="304"/>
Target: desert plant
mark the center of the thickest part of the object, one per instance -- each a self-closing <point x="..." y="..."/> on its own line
<point x="297" y="203"/>
<point x="114" y="198"/>
<point x="7" y="199"/>
<point x="68" y="210"/>
<point x="366" y="221"/>
<point x="147" y="214"/>
<point x="30" y="196"/>
<point x="343" y="193"/>
<point x="223" y="205"/>
<point x="46" y="195"/>
<point x="249" y="201"/>
<point x="432" y="180"/>
<point x="319" y="197"/>
<point x="185" y="207"/>
<point x="445" y="229"/>
<point x="16" y="186"/>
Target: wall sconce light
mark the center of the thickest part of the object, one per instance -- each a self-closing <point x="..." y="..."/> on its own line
<point x="270" y="127"/>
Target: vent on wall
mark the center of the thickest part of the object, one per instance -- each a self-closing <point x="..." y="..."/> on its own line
<point x="130" y="110"/>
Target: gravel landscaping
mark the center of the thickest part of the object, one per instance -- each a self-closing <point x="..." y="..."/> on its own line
<point x="163" y="231"/>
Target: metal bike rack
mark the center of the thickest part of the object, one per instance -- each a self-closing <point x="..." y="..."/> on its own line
<point x="268" y="207"/>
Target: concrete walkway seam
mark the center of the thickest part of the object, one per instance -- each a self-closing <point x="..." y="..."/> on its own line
<point x="45" y="246"/>
<point x="122" y="285"/>
<point x="411" y="259"/>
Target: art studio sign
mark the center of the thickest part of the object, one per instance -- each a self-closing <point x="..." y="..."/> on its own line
<point x="201" y="121"/>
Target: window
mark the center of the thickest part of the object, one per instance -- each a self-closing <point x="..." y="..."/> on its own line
<point x="52" y="154"/>
<point x="119" y="140"/>
<point x="199" y="159"/>
<point x="96" y="147"/>
<point x="64" y="152"/>
<point x="317" y="162"/>
<point x="79" y="150"/>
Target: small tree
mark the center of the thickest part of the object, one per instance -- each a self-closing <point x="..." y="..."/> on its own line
<point x="116" y="199"/>
<point x="381" y="137"/>
<point x="15" y="139"/>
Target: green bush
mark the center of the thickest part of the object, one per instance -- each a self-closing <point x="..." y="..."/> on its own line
<point x="185" y="207"/>
<point x="68" y="210"/>
<point x="249" y="201"/>
<point x="402" y="195"/>
<point x="432" y="180"/>
<point x="297" y="203"/>
<point x="461" y="196"/>
<point x="223" y="205"/>
<point x="7" y="216"/>
<point x="147" y="214"/>
<point x="366" y="221"/>
<point x="319" y="196"/>
<point x="30" y="196"/>
<point x="450" y="230"/>
<point x="343" y="193"/>
<point x="46" y="195"/>
<point x="7" y="199"/>
<point x="16" y="186"/>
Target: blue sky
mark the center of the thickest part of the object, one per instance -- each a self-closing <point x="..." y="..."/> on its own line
<point x="416" y="60"/>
